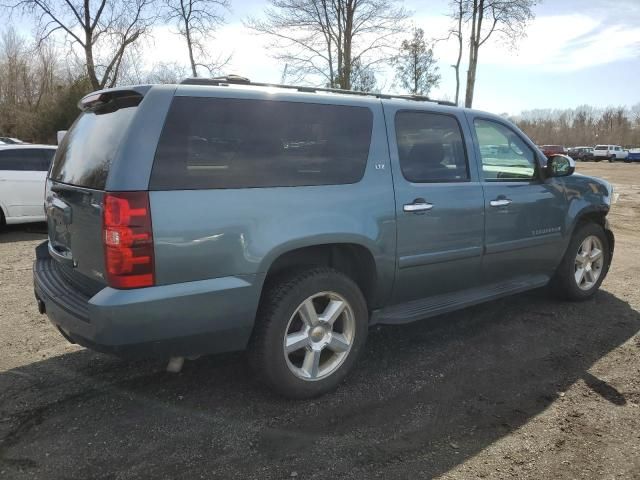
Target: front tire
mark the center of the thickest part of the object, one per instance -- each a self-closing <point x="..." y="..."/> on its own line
<point x="584" y="265"/>
<point x="612" y="159"/>
<point x="310" y="329"/>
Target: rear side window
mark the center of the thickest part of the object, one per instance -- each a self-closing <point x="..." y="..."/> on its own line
<point x="26" y="159"/>
<point x="239" y="143"/>
<point x="430" y="147"/>
<point x="87" y="150"/>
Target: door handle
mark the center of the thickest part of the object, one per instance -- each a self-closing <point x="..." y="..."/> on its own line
<point x="500" y="202"/>
<point x="418" y="205"/>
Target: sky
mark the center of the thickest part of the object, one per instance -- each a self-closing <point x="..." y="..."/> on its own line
<point x="576" y="52"/>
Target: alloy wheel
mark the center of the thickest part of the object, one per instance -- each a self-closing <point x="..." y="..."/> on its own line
<point x="589" y="262"/>
<point x="319" y="336"/>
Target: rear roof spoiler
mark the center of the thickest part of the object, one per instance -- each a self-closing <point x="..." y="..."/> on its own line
<point x="106" y="101"/>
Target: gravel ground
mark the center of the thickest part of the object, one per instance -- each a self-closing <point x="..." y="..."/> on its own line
<point x="525" y="387"/>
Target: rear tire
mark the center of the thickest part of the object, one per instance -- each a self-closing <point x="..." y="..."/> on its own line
<point x="585" y="264"/>
<point x="310" y="329"/>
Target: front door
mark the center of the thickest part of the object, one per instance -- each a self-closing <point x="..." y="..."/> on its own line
<point x="439" y="203"/>
<point x="524" y="211"/>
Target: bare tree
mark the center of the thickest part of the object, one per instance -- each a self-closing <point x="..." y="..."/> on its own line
<point x="416" y="66"/>
<point x="458" y="18"/>
<point x="102" y="29"/>
<point x="38" y="90"/>
<point x="507" y="18"/>
<point x="196" y="21"/>
<point x="326" y="38"/>
<point x="166" y="73"/>
<point x="584" y="125"/>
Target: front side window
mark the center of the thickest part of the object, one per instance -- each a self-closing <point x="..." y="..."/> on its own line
<point x="505" y="156"/>
<point x="430" y="147"/>
<point x="240" y="143"/>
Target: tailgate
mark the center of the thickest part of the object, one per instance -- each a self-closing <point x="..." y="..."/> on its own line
<point x="74" y="223"/>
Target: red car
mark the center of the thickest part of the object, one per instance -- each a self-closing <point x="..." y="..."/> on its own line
<point x="550" y="150"/>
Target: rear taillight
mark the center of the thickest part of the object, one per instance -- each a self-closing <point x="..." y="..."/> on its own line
<point x="128" y="240"/>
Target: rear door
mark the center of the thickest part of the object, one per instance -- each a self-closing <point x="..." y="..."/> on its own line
<point x="75" y="189"/>
<point x="11" y="181"/>
<point x="439" y="203"/>
<point x="524" y="212"/>
<point x="36" y="165"/>
<point x="23" y="174"/>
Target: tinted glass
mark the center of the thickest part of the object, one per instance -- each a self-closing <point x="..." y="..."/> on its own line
<point x="47" y="157"/>
<point x="231" y="143"/>
<point x="30" y="159"/>
<point x="430" y="148"/>
<point x="87" y="150"/>
<point x="9" y="160"/>
<point x="505" y="156"/>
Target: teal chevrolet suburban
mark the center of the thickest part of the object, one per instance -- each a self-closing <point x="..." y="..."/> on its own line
<point x="221" y="215"/>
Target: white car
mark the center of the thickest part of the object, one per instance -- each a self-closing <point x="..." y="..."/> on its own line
<point x="23" y="173"/>
<point x="609" y="152"/>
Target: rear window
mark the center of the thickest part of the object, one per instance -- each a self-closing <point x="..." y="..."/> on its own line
<point x="602" y="147"/>
<point x="87" y="150"/>
<point x="238" y="143"/>
<point x="26" y="159"/>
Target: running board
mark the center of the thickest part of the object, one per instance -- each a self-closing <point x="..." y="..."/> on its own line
<point x="448" y="302"/>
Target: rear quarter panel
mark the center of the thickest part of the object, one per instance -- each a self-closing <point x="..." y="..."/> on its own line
<point x="131" y="169"/>
<point x="202" y="234"/>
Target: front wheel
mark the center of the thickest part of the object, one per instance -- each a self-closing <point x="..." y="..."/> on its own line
<point x="310" y="329"/>
<point x="612" y="159"/>
<point x="584" y="265"/>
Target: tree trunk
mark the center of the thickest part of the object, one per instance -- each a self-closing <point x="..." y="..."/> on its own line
<point x="471" y="82"/>
<point x="474" y="46"/>
<point x="348" y="37"/>
<point x="190" y="47"/>
<point x="88" y="48"/>
<point x="460" y="43"/>
<point x="91" y="68"/>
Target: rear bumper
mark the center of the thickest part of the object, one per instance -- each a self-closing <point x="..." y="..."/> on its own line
<point x="207" y="316"/>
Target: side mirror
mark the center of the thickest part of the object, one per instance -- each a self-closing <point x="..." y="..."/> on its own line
<point x="560" y="166"/>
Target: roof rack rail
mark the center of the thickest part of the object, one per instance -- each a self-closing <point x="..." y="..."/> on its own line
<point x="238" y="80"/>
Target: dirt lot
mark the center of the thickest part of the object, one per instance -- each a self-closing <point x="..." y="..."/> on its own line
<point x="525" y="387"/>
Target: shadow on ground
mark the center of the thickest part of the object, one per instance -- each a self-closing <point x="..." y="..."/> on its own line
<point x="22" y="232"/>
<point x="424" y="398"/>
